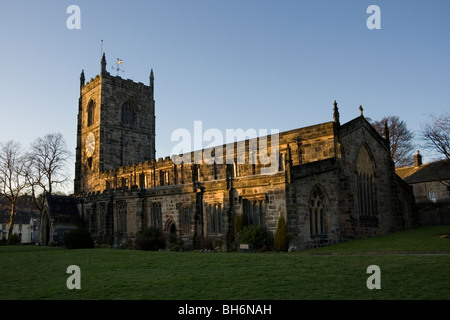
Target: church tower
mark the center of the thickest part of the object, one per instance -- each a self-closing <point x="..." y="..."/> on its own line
<point x="115" y="127"/>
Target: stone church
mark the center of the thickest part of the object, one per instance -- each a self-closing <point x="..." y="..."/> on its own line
<point x="332" y="181"/>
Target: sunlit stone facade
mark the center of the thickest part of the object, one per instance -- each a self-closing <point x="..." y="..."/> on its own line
<point x="332" y="182"/>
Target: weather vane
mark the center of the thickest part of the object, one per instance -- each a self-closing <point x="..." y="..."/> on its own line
<point x="117" y="67"/>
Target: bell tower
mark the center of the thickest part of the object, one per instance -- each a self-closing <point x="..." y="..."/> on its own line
<point x="115" y="127"/>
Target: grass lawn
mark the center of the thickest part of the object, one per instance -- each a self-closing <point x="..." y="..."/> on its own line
<point x="421" y="240"/>
<point x="28" y="272"/>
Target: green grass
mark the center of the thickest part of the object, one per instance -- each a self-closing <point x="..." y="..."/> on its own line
<point x="40" y="272"/>
<point x="426" y="239"/>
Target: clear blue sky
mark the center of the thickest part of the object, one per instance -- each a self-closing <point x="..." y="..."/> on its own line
<point x="262" y="64"/>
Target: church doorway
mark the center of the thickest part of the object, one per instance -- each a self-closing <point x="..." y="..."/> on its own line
<point x="171" y="231"/>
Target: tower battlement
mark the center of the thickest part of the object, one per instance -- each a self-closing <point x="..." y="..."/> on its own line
<point x="92" y="83"/>
<point x="117" y="81"/>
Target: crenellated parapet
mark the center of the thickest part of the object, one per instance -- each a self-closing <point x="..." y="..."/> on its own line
<point x="127" y="84"/>
<point x="94" y="82"/>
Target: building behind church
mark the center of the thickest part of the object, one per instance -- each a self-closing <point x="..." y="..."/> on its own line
<point x="26" y="220"/>
<point x="431" y="187"/>
<point x="332" y="182"/>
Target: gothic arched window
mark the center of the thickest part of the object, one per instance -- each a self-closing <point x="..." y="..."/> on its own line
<point x="122" y="217"/>
<point x="90" y="113"/>
<point x="215" y="218"/>
<point x="128" y="115"/>
<point x="365" y="175"/>
<point x="318" y="209"/>
<point x="156" y="215"/>
<point x="93" y="219"/>
<point x="260" y="210"/>
<point x="185" y="219"/>
<point x="254" y="212"/>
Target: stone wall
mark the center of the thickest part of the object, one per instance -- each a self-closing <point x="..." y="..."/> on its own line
<point x="422" y="191"/>
<point x="230" y="187"/>
<point x="121" y="138"/>
<point x="315" y="187"/>
<point x="121" y="143"/>
<point x="431" y="214"/>
<point x="306" y="178"/>
<point x="391" y="199"/>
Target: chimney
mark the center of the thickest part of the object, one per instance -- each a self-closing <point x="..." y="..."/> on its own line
<point x="417" y="159"/>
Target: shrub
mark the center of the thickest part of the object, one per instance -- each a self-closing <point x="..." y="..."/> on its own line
<point x="281" y="238"/>
<point x="218" y="245"/>
<point x="78" y="238"/>
<point x="176" y="248"/>
<point x="207" y="243"/>
<point x="14" y="239"/>
<point x="258" y="237"/>
<point x="150" y="239"/>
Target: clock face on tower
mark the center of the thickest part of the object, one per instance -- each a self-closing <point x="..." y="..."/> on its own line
<point x="90" y="144"/>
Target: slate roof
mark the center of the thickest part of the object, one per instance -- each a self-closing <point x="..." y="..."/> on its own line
<point x="22" y="217"/>
<point x="63" y="208"/>
<point x="434" y="171"/>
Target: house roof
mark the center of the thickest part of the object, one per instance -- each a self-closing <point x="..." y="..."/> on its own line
<point x="63" y="208"/>
<point x="434" y="171"/>
<point x="22" y="217"/>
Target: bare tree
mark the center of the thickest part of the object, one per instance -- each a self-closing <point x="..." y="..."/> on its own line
<point x="436" y="134"/>
<point x="400" y="139"/>
<point x="47" y="166"/>
<point x="13" y="180"/>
